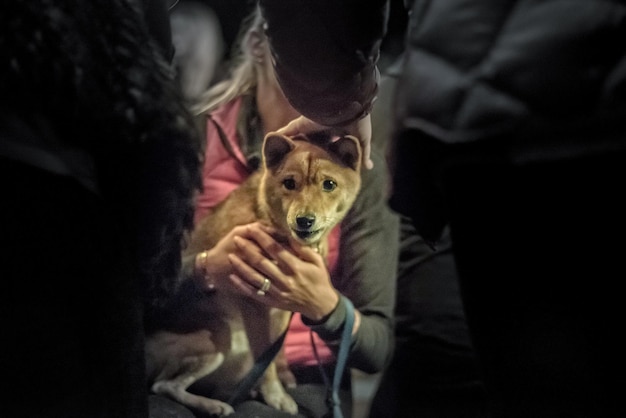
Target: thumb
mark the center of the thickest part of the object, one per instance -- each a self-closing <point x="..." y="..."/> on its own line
<point x="300" y="125"/>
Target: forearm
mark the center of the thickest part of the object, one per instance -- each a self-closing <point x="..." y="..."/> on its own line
<point x="202" y="268"/>
<point x="372" y="338"/>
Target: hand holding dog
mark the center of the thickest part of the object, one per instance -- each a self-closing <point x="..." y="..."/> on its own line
<point x="299" y="279"/>
<point x="217" y="263"/>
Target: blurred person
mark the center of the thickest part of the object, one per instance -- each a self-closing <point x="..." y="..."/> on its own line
<point x="515" y="125"/>
<point x="433" y="348"/>
<point x="362" y="259"/>
<point x="434" y="372"/>
<point x="198" y="46"/>
<point x="99" y="162"/>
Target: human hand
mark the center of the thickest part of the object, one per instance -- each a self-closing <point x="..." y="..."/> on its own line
<point x="361" y="129"/>
<point x="298" y="278"/>
<point x="214" y="263"/>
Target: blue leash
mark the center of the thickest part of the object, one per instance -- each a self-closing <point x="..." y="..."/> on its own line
<point x="332" y="400"/>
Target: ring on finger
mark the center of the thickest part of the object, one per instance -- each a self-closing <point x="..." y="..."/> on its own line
<point x="264" y="287"/>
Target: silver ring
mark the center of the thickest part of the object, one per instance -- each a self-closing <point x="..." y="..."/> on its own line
<point x="264" y="287"/>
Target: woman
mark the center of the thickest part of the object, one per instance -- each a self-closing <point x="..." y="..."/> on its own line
<point x="362" y="264"/>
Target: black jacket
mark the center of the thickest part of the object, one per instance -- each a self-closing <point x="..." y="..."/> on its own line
<point x="515" y="81"/>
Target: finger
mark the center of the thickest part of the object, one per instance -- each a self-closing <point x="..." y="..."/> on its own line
<point x="292" y="128"/>
<point x="300" y="125"/>
<point x="248" y="251"/>
<point x="364" y="133"/>
<point x="283" y="257"/>
<point x="306" y="253"/>
<point x="251" y="248"/>
<point x="287" y="258"/>
<point x="251" y="280"/>
<point x="367" y="161"/>
<point x="245" y="288"/>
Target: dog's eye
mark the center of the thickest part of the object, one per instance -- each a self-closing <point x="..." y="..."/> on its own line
<point x="329" y="185"/>
<point x="289" y="184"/>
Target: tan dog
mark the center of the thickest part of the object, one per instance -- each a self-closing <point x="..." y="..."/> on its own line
<point x="304" y="189"/>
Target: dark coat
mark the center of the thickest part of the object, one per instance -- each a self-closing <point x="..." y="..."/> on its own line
<point x="512" y="80"/>
<point x="98" y="168"/>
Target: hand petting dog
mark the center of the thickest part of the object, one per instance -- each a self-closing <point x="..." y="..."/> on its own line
<point x="361" y="129"/>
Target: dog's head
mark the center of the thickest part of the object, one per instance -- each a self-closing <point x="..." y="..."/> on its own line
<point x="309" y="183"/>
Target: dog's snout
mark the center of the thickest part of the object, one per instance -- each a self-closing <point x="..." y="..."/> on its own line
<point x="305" y="221"/>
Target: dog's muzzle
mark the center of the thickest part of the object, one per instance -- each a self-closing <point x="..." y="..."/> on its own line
<point x="305" y="228"/>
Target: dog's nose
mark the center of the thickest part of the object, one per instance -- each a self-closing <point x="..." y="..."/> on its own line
<point x="305" y="222"/>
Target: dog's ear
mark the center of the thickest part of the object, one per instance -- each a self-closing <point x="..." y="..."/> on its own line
<point x="275" y="148"/>
<point x="348" y="149"/>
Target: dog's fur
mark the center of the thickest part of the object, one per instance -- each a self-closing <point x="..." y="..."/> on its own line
<point x="304" y="188"/>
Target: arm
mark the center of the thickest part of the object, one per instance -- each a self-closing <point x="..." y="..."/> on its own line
<point x="367" y="274"/>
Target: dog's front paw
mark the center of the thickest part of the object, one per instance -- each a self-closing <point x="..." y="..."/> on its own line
<point x="285" y="375"/>
<point x="287" y="378"/>
<point x="216" y="408"/>
<point x="275" y="396"/>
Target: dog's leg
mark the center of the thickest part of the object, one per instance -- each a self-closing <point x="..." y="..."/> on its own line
<point x="284" y="372"/>
<point x="263" y="327"/>
<point x="196" y="368"/>
<point x="280" y="322"/>
<point x="274" y="393"/>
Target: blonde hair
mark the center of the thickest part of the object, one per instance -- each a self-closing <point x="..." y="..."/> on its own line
<point x="242" y="75"/>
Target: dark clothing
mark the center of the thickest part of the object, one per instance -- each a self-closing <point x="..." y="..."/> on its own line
<point x="539" y="268"/>
<point x="158" y="23"/>
<point x="310" y="395"/>
<point x="71" y="306"/>
<point x="98" y="167"/>
<point x="512" y="79"/>
<point x="511" y="128"/>
<point x="433" y="349"/>
<point x="434" y="373"/>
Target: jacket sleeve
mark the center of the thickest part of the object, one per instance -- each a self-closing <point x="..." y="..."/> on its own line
<point x="366" y="274"/>
<point x="325" y="55"/>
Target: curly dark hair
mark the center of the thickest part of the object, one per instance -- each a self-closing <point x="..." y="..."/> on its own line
<point x="92" y="69"/>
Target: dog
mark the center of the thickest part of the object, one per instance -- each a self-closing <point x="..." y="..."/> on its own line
<point x="304" y="188"/>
